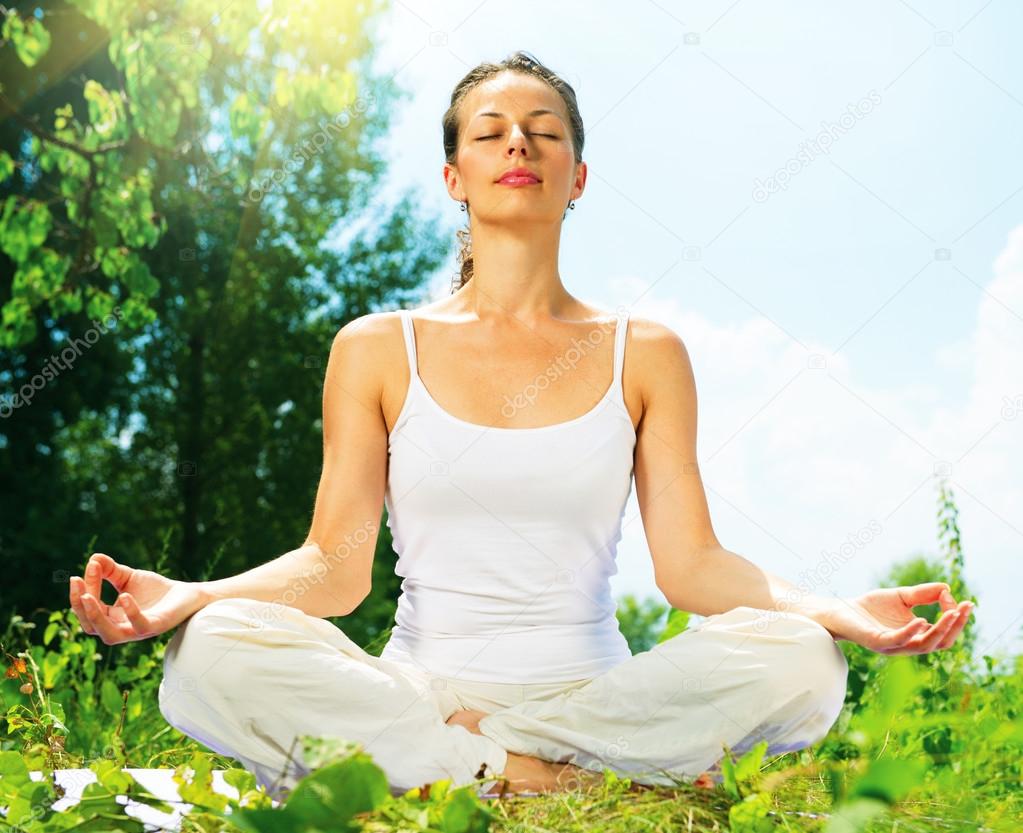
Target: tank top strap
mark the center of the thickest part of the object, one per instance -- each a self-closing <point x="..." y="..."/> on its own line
<point x="619" y="355"/>
<point x="410" y="341"/>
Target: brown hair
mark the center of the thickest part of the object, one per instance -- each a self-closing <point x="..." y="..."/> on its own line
<point x="525" y="63"/>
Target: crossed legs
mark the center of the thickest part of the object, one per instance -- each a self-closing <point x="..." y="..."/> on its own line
<point x="664" y="715"/>
<point x="246" y="678"/>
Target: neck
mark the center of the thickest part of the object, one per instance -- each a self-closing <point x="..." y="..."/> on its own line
<point x="515" y="273"/>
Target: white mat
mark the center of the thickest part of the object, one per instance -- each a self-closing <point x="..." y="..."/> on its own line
<point x="159" y="782"/>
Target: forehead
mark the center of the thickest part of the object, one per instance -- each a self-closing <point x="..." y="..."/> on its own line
<point x="513" y="94"/>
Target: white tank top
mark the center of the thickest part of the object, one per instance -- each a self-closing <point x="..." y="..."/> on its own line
<point x="506" y="537"/>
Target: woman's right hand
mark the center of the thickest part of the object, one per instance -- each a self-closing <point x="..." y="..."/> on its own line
<point x="147" y="604"/>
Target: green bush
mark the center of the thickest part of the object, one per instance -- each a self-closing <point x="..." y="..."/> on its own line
<point x="931" y="742"/>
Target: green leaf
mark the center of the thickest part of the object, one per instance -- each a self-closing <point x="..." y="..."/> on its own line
<point x="855" y="815"/>
<point x="740" y="776"/>
<point x="104" y="231"/>
<point x="327" y="798"/>
<point x="114" y="261"/>
<point x="52" y="666"/>
<point x="340" y="790"/>
<point x="66" y="302"/>
<point x="747" y="767"/>
<point x="678" y="621"/>
<point x="751" y="815"/>
<point x="110" y="775"/>
<point x="241" y="779"/>
<point x="245" y="119"/>
<point x="6" y="165"/>
<point x="728" y="781"/>
<point x="139" y="280"/>
<point x="50" y="632"/>
<point x="110" y="697"/>
<point x="57" y="713"/>
<point x="271" y="821"/>
<point x="100" y="304"/>
<point x="899" y="679"/>
<point x="102" y="800"/>
<point x="888" y="779"/>
<point x="134" y="704"/>
<point x="136" y="313"/>
<point x="104" y="111"/>
<point x="23" y="229"/>
<point x="13" y="771"/>
<point x="195" y="783"/>
<point x="19" y="326"/>
<point x="30" y="38"/>
<point x="463" y="813"/>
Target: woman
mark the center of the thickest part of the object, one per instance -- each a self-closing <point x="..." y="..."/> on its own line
<point x="486" y="426"/>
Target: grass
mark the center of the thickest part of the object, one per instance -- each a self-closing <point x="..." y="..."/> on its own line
<point x="925" y="743"/>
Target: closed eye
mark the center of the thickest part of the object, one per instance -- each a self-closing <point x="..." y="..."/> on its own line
<point x="497" y="136"/>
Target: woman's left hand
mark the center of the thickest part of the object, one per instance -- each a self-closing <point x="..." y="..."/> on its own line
<point x="883" y="620"/>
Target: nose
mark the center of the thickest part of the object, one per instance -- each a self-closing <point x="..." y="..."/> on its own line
<point x="516" y="141"/>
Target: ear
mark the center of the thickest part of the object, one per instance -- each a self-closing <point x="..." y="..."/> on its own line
<point x="580" y="181"/>
<point x="453" y="183"/>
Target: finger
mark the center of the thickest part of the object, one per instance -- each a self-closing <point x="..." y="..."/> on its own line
<point x="107" y="568"/>
<point x="949" y="639"/>
<point x="106" y="629"/>
<point x="947" y="600"/>
<point x="930" y="592"/>
<point x="910" y="637"/>
<point x="927" y="642"/>
<point x="139" y="621"/>
<point x="964" y="617"/>
<point x="895" y="639"/>
<point x="77" y="588"/>
<point x="93" y="579"/>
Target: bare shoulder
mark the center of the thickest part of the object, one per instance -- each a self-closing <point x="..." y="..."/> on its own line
<point x="657" y="357"/>
<point x="653" y="338"/>
<point x="370" y="330"/>
<point x="363" y="352"/>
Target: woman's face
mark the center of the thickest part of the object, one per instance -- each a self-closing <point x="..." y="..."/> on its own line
<point x="490" y="145"/>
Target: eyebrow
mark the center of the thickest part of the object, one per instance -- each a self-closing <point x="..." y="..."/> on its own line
<point x="530" y="113"/>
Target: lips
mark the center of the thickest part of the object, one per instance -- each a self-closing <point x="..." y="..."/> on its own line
<point x="519" y="176"/>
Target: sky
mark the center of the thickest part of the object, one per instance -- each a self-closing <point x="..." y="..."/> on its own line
<point x="825" y="202"/>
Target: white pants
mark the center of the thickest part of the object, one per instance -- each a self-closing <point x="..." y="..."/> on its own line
<point x="246" y="678"/>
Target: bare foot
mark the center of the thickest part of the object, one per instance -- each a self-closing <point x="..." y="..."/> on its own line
<point x="522" y="773"/>
<point x="469" y="718"/>
<point x="572" y="777"/>
<point x="525" y="773"/>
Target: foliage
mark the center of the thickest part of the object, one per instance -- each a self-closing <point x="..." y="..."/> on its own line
<point x="190" y="209"/>
<point x="928" y="742"/>
<point x="640" y="621"/>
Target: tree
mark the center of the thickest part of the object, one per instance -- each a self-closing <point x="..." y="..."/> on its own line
<point x="641" y="621"/>
<point x="211" y="188"/>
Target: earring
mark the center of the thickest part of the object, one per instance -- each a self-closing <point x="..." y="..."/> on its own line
<point x="461" y="205"/>
<point x="572" y="205"/>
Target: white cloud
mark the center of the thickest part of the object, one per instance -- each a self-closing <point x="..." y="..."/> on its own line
<point x="829" y="454"/>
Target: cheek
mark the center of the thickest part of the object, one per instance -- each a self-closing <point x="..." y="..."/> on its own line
<point x="474" y="164"/>
<point x="561" y="168"/>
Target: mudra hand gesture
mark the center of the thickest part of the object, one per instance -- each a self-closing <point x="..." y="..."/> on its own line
<point x="883" y="620"/>
<point x="147" y="604"/>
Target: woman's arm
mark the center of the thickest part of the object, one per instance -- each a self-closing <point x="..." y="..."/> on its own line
<point x="692" y="569"/>
<point x="721" y="580"/>
<point x="330" y="574"/>
<point x="300" y="578"/>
